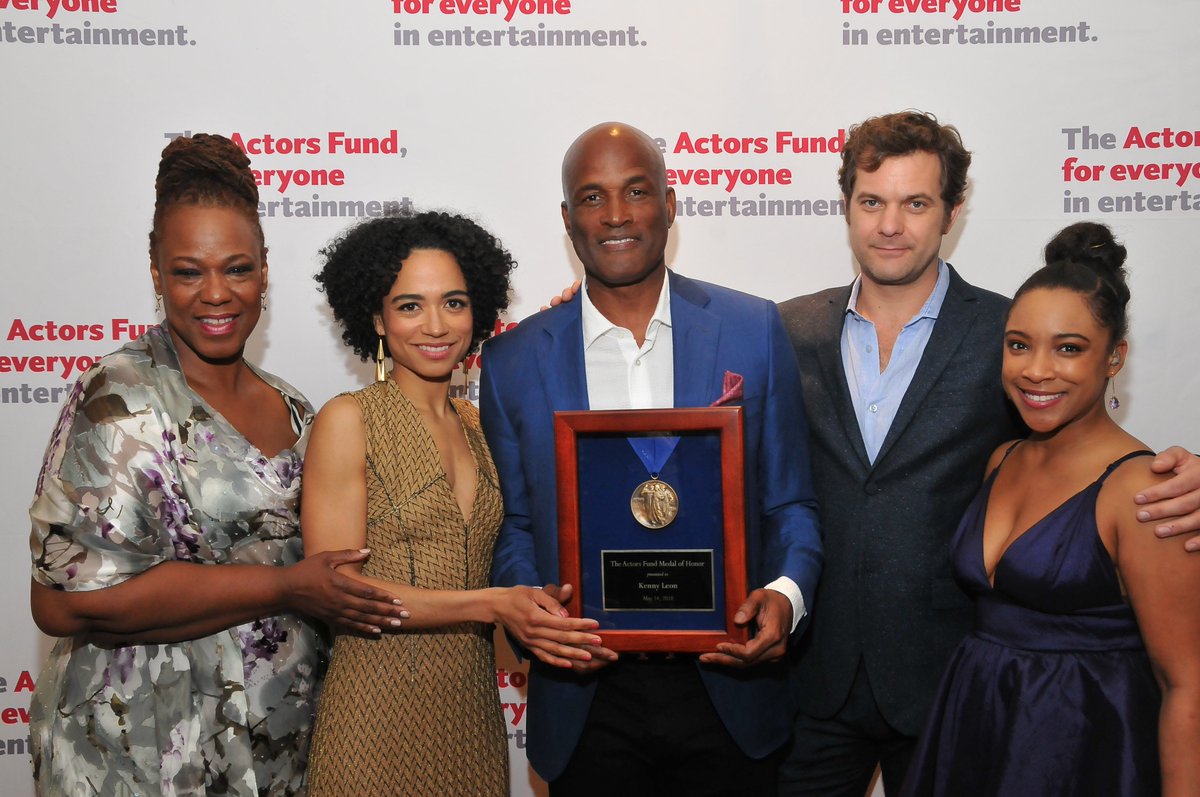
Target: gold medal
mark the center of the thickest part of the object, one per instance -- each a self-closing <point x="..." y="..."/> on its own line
<point x="654" y="504"/>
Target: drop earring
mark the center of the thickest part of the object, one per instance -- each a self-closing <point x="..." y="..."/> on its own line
<point x="262" y="300"/>
<point x="158" y="304"/>
<point x="1113" y="401"/>
<point x="380" y="365"/>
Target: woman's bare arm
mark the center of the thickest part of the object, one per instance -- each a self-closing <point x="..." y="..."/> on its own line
<point x="175" y="601"/>
<point x="334" y="516"/>
<point x="1161" y="579"/>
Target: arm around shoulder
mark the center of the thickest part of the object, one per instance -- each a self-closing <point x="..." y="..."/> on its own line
<point x="1176" y="501"/>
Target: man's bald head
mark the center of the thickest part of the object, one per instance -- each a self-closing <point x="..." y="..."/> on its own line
<point x="605" y="138"/>
<point x="617" y="207"/>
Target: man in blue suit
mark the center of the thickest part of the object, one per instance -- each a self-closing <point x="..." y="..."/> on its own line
<point x="640" y="337"/>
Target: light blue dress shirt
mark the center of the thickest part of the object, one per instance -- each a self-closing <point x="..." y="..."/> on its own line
<point x="876" y="396"/>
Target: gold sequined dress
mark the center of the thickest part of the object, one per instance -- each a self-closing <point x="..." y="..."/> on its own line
<point x="416" y="713"/>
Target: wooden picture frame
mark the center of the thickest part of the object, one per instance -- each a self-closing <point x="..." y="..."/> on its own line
<point x="645" y="584"/>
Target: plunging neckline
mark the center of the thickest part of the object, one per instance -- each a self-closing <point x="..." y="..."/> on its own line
<point x="1032" y="529"/>
<point x="443" y="476"/>
<point x="474" y="463"/>
<point x="990" y="577"/>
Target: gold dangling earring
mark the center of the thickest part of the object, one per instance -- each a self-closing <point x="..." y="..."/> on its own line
<point x="380" y="365"/>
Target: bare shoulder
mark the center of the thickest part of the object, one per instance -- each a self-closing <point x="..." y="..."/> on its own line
<point x="343" y="409"/>
<point x="1115" y="508"/>
<point x="338" y="428"/>
<point x="1132" y="476"/>
<point x="998" y="455"/>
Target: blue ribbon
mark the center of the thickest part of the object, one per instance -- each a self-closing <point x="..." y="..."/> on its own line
<point x="653" y="451"/>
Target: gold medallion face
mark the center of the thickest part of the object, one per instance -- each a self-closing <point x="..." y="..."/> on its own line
<point x="654" y="504"/>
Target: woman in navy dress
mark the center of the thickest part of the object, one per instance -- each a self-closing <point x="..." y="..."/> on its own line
<point x="1082" y="676"/>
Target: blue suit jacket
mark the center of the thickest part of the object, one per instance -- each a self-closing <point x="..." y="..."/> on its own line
<point x="536" y="369"/>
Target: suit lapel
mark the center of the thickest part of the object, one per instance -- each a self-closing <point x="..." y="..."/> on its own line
<point x="560" y="360"/>
<point x="694" y="336"/>
<point x="954" y="320"/>
<point x="833" y="372"/>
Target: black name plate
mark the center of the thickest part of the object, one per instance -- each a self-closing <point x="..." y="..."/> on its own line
<point x="658" y="581"/>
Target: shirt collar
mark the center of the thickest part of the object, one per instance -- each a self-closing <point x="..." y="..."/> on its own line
<point x="932" y="306"/>
<point x="595" y="325"/>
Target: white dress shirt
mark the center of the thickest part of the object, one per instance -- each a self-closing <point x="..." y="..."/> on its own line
<point x="622" y="375"/>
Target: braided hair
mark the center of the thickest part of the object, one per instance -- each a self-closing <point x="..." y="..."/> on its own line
<point x="204" y="169"/>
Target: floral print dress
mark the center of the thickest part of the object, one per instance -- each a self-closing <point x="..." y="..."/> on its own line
<point x="140" y="470"/>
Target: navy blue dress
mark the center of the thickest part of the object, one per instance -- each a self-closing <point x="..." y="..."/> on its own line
<point x="1052" y="694"/>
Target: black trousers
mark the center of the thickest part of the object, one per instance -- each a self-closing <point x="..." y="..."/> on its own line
<point x="836" y="757"/>
<point x="653" y="731"/>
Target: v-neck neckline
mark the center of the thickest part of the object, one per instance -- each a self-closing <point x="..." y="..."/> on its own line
<point x="431" y="445"/>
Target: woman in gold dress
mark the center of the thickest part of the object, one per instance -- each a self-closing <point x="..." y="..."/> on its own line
<point x="402" y="468"/>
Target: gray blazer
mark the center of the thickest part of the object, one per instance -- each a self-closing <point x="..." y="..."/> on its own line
<point x="887" y="595"/>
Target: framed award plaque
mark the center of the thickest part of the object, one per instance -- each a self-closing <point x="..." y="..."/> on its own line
<point x="651" y="524"/>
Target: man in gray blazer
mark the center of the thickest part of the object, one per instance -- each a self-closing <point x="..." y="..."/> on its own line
<point x="901" y="382"/>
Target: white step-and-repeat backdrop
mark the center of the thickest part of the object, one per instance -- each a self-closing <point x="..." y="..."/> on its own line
<point x="1074" y="109"/>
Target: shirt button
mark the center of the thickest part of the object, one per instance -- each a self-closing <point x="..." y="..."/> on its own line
<point x="869" y="350"/>
<point x="637" y="362"/>
<point x="874" y="408"/>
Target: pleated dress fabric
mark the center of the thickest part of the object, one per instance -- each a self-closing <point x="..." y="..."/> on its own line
<point x="1053" y="693"/>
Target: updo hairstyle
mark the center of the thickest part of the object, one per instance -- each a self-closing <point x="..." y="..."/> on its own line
<point x="205" y="169"/>
<point x="1085" y="258"/>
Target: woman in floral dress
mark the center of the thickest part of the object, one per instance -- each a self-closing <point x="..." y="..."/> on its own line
<point x="165" y="543"/>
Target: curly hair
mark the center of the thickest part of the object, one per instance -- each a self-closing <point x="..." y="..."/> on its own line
<point x="1087" y="259"/>
<point x="205" y="169"/>
<point x="872" y="142"/>
<point x="361" y="264"/>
